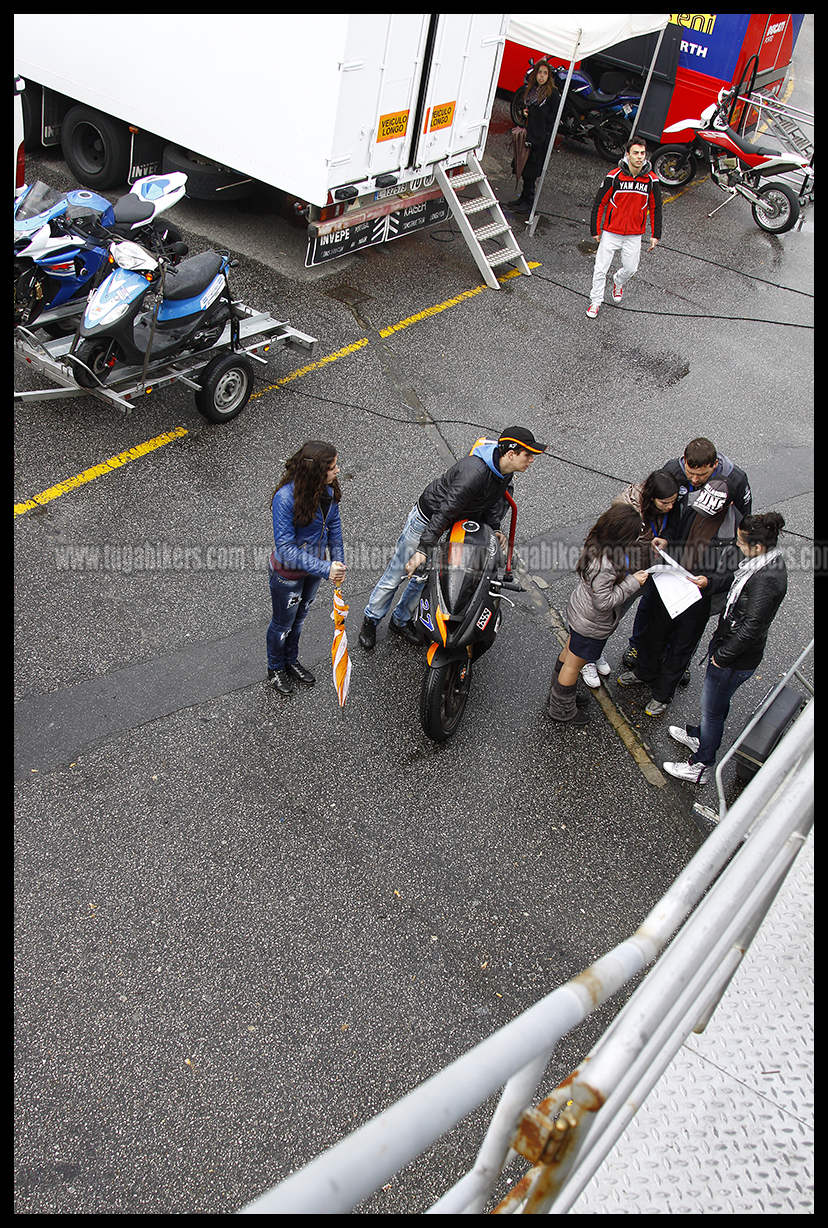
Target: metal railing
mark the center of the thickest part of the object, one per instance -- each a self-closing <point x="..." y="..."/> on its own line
<point x="711" y="913"/>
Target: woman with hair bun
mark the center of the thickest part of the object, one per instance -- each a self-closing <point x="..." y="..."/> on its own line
<point x="738" y="644"/>
<point x="306" y="528"/>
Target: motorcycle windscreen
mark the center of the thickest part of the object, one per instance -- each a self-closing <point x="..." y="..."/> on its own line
<point x="40" y="198"/>
<point x="462" y="560"/>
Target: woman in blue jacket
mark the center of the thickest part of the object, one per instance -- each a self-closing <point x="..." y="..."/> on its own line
<point x="306" y="529"/>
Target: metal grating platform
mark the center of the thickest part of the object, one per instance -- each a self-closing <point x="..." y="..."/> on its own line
<point x="729" y="1127"/>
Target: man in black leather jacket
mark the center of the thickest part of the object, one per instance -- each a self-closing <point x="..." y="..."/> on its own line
<point x="474" y="487"/>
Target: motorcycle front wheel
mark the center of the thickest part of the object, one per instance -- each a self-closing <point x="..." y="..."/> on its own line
<point x="611" y="136"/>
<point x="443" y="698"/>
<point x="30" y="291"/>
<point x="99" y="356"/>
<point x="674" y="165"/>
<point x="779" y="210"/>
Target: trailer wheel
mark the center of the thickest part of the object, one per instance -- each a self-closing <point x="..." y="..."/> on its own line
<point x="95" y="148"/>
<point x="206" y="180"/>
<point x="225" y="389"/>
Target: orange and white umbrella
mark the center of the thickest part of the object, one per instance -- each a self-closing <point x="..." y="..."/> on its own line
<point x="339" y="651"/>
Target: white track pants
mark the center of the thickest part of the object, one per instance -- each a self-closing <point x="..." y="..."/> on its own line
<point x="630" y="247"/>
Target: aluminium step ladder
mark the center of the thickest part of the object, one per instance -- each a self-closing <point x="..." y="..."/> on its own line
<point x="496" y="229"/>
<point x="785" y="122"/>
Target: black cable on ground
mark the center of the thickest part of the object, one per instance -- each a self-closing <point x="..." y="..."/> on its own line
<point x="676" y="315"/>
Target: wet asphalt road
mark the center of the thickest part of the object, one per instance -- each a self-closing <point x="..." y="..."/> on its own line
<point x="244" y="923"/>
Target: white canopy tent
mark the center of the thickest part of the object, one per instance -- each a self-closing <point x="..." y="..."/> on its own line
<point x="574" y="38"/>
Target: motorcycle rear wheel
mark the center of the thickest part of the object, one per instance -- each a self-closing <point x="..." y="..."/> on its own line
<point x="779" y="210"/>
<point x="443" y="698"/>
<point x="611" y="136"/>
<point x="674" y="165"/>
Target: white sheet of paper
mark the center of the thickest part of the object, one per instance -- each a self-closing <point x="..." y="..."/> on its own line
<point x="675" y="589"/>
<point x="671" y="562"/>
<point x="677" y="592"/>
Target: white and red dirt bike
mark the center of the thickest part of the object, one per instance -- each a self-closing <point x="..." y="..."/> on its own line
<point x="736" y="166"/>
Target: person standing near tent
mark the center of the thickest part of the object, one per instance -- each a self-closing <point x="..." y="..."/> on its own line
<point x="539" y="109"/>
<point x="625" y="199"/>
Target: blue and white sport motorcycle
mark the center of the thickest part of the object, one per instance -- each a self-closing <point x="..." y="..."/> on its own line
<point x="61" y="240"/>
<point x="149" y="311"/>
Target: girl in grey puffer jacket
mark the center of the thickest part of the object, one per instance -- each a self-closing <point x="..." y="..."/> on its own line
<point x="605" y="586"/>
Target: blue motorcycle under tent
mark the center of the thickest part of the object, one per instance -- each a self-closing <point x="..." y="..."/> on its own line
<point x="574" y="38"/>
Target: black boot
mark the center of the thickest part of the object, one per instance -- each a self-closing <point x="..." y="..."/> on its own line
<point x="527" y="198"/>
<point x="368" y="634"/>
<point x="524" y="201"/>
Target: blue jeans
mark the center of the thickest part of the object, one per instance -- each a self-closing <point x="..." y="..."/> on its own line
<point x="642" y="615"/>
<point x="379" y="603"/>
<point x="720" y="685"/>
<point x="291" y="601"/>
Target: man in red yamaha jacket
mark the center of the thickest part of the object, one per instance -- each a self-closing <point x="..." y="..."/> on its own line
<point x="619" y="215"/>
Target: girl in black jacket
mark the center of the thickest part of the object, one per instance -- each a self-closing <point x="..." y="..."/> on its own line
<point x="540" y="106"/>
<point x="738" y="644"/>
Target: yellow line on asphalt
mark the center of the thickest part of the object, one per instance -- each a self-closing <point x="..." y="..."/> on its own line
<point x="620" y="724"/>
<point x="97" y="471"/>
<point x="315" y="366"/>
<point x="389" y="331"/>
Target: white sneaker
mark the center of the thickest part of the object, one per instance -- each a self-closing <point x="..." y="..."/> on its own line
<point x="686" y="739"/>
<point x="693" y="773"/>
<point x="592" y="310"/>
<point x="603" y="666"/>
<point x="617" y="291"/>
<point x="590" y="675"/>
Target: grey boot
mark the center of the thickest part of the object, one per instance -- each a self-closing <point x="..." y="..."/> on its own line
<point x="581" y="699"/>
<point x="562" y="705"/>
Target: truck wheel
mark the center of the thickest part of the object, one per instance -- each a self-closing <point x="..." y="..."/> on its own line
<point x="443" y="698"/>
<point x="779" y="210"/>
<point x="225" y="389"/>
<point x="95" y="148"/>
<point x="206" y="180"/>
<point x="32" y="102"/>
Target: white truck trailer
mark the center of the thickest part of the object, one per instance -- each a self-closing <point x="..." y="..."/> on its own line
<point x="362" y="118"/>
